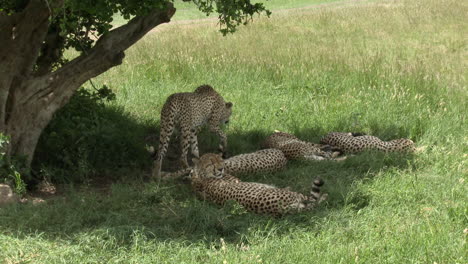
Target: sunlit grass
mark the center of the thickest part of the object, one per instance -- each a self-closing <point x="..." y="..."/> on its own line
<point x="189" y="11"/>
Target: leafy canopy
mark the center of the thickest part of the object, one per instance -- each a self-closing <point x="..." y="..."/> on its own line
<point x="80" y="22"/>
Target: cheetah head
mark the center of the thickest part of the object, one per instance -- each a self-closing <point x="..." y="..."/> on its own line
<point x="227" y="111"/>
<point x="208" y="166"/>
<point x="403" y="144"/>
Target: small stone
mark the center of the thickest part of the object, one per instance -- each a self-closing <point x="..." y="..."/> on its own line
<point x="7" y="196"/>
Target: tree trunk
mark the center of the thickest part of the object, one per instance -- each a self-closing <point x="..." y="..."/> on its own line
<point x="29" y="98"/>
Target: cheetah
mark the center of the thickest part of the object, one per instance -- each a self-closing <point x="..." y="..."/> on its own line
<point x="357" y="142"/>
<point x="255" y="197"/>
<point x="265" y="160"/>
<point x="294" y="148"/>
<point x="189" y="112"/>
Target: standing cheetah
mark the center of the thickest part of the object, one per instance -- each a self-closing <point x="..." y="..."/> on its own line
<point x="208" y="184"/>
<point x="189" y="112"/>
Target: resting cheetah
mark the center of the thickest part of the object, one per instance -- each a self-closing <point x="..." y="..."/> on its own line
<point x="255" y="197"/>
<point x="265" y="160"/>
<point x="355" y="143"/>
<point x="294" y="148"/>
<point x="189" y="112"/>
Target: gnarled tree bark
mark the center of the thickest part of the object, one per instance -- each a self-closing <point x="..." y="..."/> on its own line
<point x="30" y="96"/>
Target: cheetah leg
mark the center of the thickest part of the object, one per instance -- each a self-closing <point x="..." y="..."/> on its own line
<point x="315" y="152"/>
<point x="194" y="143"/>
<point x="314" y="201"/>
<point x="313" y="157"/>
<point x="178" y="174"/>
<point x="157" y="169"/>
<point x="222" y="138"/>
<point x="184" y="143"/>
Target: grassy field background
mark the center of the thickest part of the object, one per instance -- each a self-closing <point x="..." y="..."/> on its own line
<point x="189" y="11"/>
<point x="388" y="68"/>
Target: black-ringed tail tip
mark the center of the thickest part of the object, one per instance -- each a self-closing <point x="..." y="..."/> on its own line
<point x="318" y="182"/>
<point x="151" y="150"/>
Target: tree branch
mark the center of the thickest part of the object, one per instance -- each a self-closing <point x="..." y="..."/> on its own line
<point x="106" y="53"/>
<point x="51" y="91"/>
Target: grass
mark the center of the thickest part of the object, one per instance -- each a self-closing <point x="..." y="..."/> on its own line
<point x="189" y="11"/>
<point x="388" y="68"/>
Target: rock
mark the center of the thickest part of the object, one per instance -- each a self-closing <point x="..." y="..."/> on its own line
<point x="7" y="196"/>
<point x="32" y="200"/>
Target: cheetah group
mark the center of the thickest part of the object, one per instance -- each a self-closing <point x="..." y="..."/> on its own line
<point x="214" y="177"/>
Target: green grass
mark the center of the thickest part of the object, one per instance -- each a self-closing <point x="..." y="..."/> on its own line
<point x="389" y="68"/>
<point x="189" y="11"/>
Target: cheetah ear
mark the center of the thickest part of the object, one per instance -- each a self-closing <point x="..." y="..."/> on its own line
<point x="195" y="161"/>
<point x="228" y="105"/>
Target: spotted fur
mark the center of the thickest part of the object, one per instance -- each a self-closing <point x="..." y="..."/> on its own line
<point x="265" y="160"/>
<point x="355" y="143"/>
<point x="189" y="112"/>
<point x="255" y="197"/>
<point x="294" y="148"/>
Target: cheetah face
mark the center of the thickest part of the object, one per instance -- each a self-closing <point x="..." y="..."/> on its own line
<point x="226" y="113"/>
<point x="208" y="166"/>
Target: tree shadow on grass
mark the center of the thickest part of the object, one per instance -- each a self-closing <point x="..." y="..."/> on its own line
<point x="91" y="142"/>
<point x="170" y="211"/>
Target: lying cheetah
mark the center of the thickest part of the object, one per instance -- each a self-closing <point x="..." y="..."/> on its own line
<point x="355" y="143"/>
<point x="189" y="112"/>
<point x="255" y="197"/>
<point x="294" y="148"/>
<point x="265" y="160"/>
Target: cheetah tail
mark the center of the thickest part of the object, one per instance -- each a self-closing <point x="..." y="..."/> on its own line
<point x="166" y="130"/>
<point x="167" y="127"/>
<point x="315" y="193"/>
<point x="151" y="151"/>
